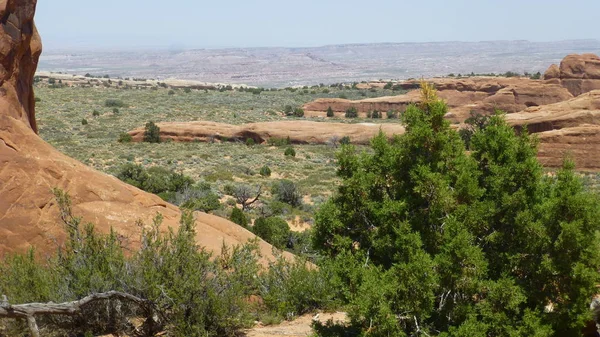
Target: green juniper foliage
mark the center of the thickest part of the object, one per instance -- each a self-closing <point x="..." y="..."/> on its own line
<point x="451" y="244"/>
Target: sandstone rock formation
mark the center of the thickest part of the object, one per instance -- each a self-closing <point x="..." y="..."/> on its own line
<point x="484" y="94"/>
<point x="578" y="73"/>
<point x="299" y="132"/>
<point x="569" y="128"/>
<point x="30" y="168"/>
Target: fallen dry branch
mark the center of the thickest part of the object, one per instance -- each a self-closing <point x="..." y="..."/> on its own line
<point x="28" y="311"/>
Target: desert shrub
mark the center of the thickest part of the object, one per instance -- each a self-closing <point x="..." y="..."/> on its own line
<point x="95" y="113"/>
<point x="388" y="85"/>
<point x="298" y="112"/>
<point x="219" y="174"/>
<point x="274" y="230"/>
<point x="375" y="114"/>
<point x="265" y="171"/>
<point x="115" y="110"/>
<point x="155" y="179"/>
<point x="351" y="112"/>
<point x="287" y="191"/>
<point x="274" y="141"/>
<point x="199" y="197"/>
<point x="330" y="112"/>
<point x="171" y="92"/>
<point x="343" y="96"/>
<point x="192" y="292"/>
<point x="228" y="189"/>
<point x="292" y="289"/>
<point x="237" y="216"/>
<point x="114" y="103"/>
<point x="187" y="90"/>
<point x="84" y="122"/>
<point x="151" y="133"/>
<point x="345" y="140"/>
<point x="289" y="152"/>
<point x="392" y="114"/>
<point x="124" y="137"/>
<point x="250" y="142"/>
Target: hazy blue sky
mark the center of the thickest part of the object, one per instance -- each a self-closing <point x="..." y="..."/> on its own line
<point x="255" y="23"/>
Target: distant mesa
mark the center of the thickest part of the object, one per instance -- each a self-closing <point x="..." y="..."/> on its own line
<point x="30" y="168"/>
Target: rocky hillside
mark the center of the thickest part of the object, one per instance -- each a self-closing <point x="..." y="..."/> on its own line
<point x="30" y="168"/>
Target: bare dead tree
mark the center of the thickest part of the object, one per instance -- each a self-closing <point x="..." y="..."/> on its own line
<point x="245" y="195"/>
<point x="29" y="311"/>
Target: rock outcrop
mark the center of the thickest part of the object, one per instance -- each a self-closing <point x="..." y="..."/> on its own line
<point x="30" y="168"/>
<point x="569" y="128"/>
<point x="484" y="94"/>
<point x="298" y="132"/>
<point x="578" y="73"/>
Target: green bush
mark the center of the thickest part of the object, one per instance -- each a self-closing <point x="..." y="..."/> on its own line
<point x="84" y="122"/>
<point x="298" y="112"/>
<point x="96" y="113"/>
<point x="274" y="230"/>
<point x="125" y="138"/>
<point x="345" y="140"/>
<point x="490" y="226"/>
<point x="274" y="141"/>
<point x="265" y="171"/>
<point x="114" y="103"/>
<point x="330" y="112"/>
<point x="291" y="289"/>
<point x="288" y="110"/>
<point x="155" y="179"/>
<point x="151" y="133"/>
<point x="237" y="216"/>
<point x="351" y="112"/>
<point x="171" y="92"/>
<point x="287" y="191"/>
<point x="391" y="114"/>
<point x="289" y="152"/>
<point x="250" y="141"/>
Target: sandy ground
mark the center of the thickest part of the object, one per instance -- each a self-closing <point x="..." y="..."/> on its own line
<point x="299" y="327"/>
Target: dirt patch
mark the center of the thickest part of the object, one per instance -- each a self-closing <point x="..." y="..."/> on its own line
<point x="299" y="327"/>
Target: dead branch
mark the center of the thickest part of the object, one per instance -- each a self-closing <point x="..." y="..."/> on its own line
<point x="28" y="311"/>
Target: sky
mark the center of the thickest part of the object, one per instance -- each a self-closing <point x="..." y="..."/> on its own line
<point x="186" y="24"/>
